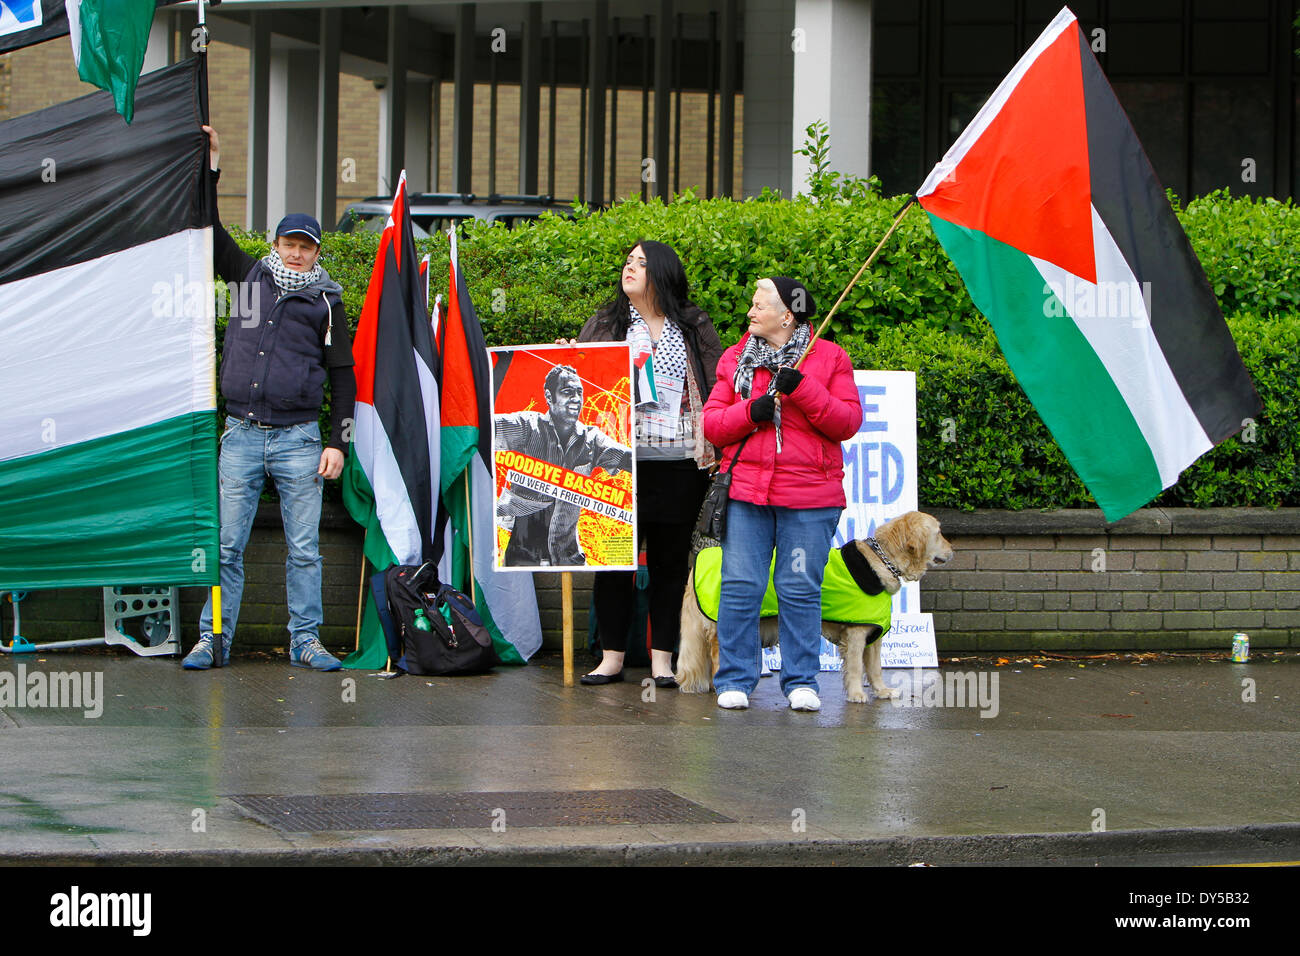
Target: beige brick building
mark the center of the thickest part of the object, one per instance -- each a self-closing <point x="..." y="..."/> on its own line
<point x="43" y="75"/>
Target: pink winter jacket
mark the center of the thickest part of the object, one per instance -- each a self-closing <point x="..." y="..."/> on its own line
<point x="822" y="412"/>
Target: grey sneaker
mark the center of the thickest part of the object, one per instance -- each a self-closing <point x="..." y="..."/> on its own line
<point x="311" y="654"/>
<point x="200" y="656"/>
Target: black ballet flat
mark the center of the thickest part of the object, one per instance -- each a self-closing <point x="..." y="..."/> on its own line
<point x="595" y="680"/>
<point x="666" y="683"/>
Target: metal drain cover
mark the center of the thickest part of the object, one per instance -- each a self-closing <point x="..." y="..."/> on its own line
<point x="440" y="811"/>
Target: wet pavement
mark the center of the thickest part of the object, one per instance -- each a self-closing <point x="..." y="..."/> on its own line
<point x="1149" y="759"/>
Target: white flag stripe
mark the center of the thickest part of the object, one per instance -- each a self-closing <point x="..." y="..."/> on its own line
<point x="392" y="506"/>
<point x="993" y="105"/>
<point x="1112" y="315"/>
<point x="510" y="597"/>
<point x="433" y="416"/>
<point x="104" y="346"/>
<point x="73" y="10"/>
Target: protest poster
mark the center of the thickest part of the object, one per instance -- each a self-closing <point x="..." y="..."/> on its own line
<point x="563" y="457"/>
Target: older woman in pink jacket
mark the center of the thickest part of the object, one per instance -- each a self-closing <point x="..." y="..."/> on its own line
<point x="786" y="489"/>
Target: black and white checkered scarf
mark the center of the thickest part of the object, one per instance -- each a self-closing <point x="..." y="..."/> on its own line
<point x="286" y="280"/>
<point x="669" y="352"/>
<point x="759" y="354"/>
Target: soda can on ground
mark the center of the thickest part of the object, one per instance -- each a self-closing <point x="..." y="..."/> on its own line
<point x="1240" y="648"/>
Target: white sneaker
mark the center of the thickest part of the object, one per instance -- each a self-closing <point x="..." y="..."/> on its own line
<point x="733" y="700"/>
<point x="802" y="698"/>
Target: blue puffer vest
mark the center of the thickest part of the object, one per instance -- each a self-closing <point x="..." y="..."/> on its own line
<point x="273" y="360"/>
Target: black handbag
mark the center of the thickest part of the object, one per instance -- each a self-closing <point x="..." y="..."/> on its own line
<point x="712" y="521"/>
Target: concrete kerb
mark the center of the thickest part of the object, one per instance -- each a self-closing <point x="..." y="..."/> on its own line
<point x="1160" y="847"/>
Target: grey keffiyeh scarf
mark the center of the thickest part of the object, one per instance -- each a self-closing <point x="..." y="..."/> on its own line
<point x="759" y="354"/>
<point x="286" y="280"/>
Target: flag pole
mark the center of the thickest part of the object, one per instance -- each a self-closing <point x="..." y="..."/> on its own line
<point x="469" y="531"/>
<point x="911" y="201"/>
<point x="361" y="590"/>
<point x="566" y="612"/>
<point x="218" y="642"/>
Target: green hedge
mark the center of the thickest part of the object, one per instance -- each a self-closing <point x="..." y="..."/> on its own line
<point x="911" y="311"/>
<point x="999" y="454"/>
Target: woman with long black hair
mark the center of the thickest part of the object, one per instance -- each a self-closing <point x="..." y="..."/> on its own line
<point x="652" y="311"/>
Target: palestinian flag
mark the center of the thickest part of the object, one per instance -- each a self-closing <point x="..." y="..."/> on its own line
<point x="109" y="38"/>
<point x="424" y="276"/>
<point x="1052" y="213"/>
<point x="390" y="480"/>
<point x="108" y="431"/>
<point x="507" y="602"/>
<point x="27" y="22"/>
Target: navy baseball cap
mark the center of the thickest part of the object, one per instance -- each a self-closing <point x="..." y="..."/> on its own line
<point x="299" y="222"/>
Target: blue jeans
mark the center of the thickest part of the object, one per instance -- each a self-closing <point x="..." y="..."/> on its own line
<point x="291" y="456"/>
<point x="802" y="540"/>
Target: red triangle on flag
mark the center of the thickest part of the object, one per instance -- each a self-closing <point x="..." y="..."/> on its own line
<point x="1026" y="181"/>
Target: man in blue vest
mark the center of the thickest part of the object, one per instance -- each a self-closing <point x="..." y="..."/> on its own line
<point x="287" y="333"/>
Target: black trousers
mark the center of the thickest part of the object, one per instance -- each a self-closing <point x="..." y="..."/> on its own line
<point x="669" y="495"/>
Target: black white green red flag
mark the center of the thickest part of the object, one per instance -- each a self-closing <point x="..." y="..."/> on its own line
<point x="1053" y="215"/>
<point x="390" y="479"/>
<point x="506" y="602"/>
<point x="108" y="432"/>
<point x="109" y="38"/>
<point x="27" y="22"/>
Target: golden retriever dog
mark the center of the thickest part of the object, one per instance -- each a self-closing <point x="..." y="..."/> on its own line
<point x="912" y="544"/>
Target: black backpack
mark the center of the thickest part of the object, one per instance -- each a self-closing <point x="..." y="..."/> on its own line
<point x="456" y="642"/>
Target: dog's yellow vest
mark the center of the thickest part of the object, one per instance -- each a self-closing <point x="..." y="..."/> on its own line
<point x="842" y="600"/>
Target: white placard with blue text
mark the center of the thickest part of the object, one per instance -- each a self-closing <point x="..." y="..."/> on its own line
<point x="880" y="483"/>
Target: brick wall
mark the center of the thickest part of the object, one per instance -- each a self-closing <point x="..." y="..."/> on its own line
<point x="569" y="145"/>
<point x="1163" y="578"/>
<point x="1171" y="579"/>
<point x="44" y="75"/>
<point x="228" y="106"/>
<point x="40" y="76"/>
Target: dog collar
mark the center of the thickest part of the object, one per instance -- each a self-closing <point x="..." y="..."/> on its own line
<point x="889" y="565"/>
<point x="863" y="574"/>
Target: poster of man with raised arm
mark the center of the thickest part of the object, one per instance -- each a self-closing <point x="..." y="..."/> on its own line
<point x="565" y="481"/>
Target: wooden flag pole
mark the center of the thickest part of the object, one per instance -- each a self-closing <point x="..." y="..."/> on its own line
<point x="361" y="590"/>
<point x="566" y="610"/>
<point x="852" y="282"/>
<point x="469" y="531"/>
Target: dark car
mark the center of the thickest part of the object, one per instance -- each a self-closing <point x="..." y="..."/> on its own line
<point x="435" y="212"/>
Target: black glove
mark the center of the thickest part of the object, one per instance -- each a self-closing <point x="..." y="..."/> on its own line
<point x="762" y="409"/>
<point x="787" y="379"/>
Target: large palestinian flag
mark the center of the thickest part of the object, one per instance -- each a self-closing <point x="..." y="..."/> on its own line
<point x="1052" y="213"/>
<point x="390" y="480"/>
<point x="108" y="470"/>
<point x="507" y="602"/>
<point x="27" y="22"/>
